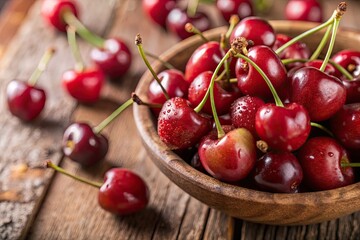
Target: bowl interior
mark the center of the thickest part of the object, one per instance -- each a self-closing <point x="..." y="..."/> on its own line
<point x="247" y="204"/>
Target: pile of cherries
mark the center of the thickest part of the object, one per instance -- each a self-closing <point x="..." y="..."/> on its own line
<point x="264" y="112"/>
<point x="171" y="15"/>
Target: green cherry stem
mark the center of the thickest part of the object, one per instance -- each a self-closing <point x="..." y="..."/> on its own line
<point x="190" y="28"/>
<point x="166" y="64"/>
<point x="49" y="164"/>
<point x="85" y="33"/>
<point x="349" y="164"/>
<point x="322" y="44"/>
<point x="41" y="66"/>
<point x="234" y="19"/>
<point x="342" y="70"/>
<point x="138" y="42"/>
<point x="319" y="126"/>
<point x="112" y="116"/>
<point x="71" y="35"/>
<point x="192" y="7"/>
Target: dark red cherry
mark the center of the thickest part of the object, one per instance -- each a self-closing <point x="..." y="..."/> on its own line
<point x="179" y="126"/>
<point x="304" y="10"/>
<point x="321" y="94"/>
<point x="297" y="50"/>
<point x="345" y="125"/>
<point x="52" y="10"/>
<point x="84" y="86"/>
<point x="350" y="60"/>
<point x="256" y="29"/>
<point x="82" y="145"/>
<point x="242" y="8"/>
<point x="158" y="10"/>
<point x="204" y="58"/>
<point x="223" y="97"/>
<point x="25" y="101"/>
<point x="177" y="19"/>
<point x="352" y="90"/>
<point x="278" y="172"/>
<point x="114" y="58"/>
<point x="123" y="192"/>
<point x="243" y="111"/>
<point x="250" y="82"/>
<point x="283" y="128"/>
<point x="230" y="158"/>
<point x="321" y="159"/>
<point x="329" y="69"/>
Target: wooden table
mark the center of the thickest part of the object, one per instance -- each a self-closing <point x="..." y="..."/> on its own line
<point x="35" y="203"/>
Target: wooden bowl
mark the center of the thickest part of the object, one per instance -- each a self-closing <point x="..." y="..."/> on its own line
<point x="243" y="203"/>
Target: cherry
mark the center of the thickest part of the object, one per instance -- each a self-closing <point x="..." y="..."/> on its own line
<point x="297" y="50"/>
<point x="242" y="8"/>
<point x="316" y="90"/>
<point x="321" y="159"/>
<point x="177" y="19"/>
<point x="243" y="111"/>
<point x="329" y="68"/>
<point x="158" y="10"/>
<point x="352" y="90"/>
<point x="304" y="10"/>
<point x="345" y="125"/>
<point x="250" y="82"/>
<point x="204" y="58"/>
<point x="278" y="172"/>
<point x="123" y="192"/>
<point x="24" y="99"/>
<point x="255" y="29"/>
<point x="230" y="158"/>
<point x="179" y="126"/>
<point x="350" y="60"/>
<point x="84" y="84"/>
<point x="82" y="145"/>
<point x="52" y="12"/>
<point x="113" y="58"/>
<point x="283" y="128"/>
<point x="223" y="97"/>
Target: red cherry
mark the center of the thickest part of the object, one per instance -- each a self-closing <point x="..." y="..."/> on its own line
<point x="52" y="11"/>
<point x="283" y="128"/>
<point x="242" y="8"/>
<point x="316" y="90"/>
<point x="114" y="58"/>
<point x="350" y="60"/>
<point x="82" y="145"/>
<point x="177" y="19"/>
<point x="256" y="29"/>
<point x="297" y="50"/>
<point x="278" y="172"/>
<point x="123" y="192"/>
<point x="352" y="90"/>
<point x="158" y="10"/>
<point x="250" y="82"/>
<point x="204" y="58"/>
<point x="243" y="111"/>
<point x="329" y="68"/>
<point x="345" y="125"/>
<point x="179" y="126"/>
<point x="222" y="97"/>
<point x="25" y="101"/>
<point x="84" y="86"/>
<point x="230" y="158"/>
<point x="321" y="159"/>
<point x="304" y="10"/>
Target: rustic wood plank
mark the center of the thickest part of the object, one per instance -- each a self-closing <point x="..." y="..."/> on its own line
<point x="29" y="144"/>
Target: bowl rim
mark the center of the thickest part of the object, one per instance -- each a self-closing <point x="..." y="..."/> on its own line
<point x="172" y="162"/>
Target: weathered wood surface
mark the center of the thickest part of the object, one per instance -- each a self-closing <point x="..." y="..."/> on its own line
<point x="69" y="209"/>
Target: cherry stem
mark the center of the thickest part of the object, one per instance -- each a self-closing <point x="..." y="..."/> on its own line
<point x="49" y="164"/>
<point x="331" y="44"/>
<point x="41" y="66"/>
<point x="234" y="19"/>
<point x="190" y="28"/>
<point x="138" y="42"/>
<point x="166" y="64"/>
<point x="322" y="44"/>
<point x="192" y="7"/>
<point x="307" y="33"/>
<point x="85" y="33"/>
<point x="112" y="116"/>
<point x="293" y="60"/>
<point x="276" y="97"/>
<point x="203" y="101"/>
<point x="317" y="125"/>
<point x="342" y="70"/>
<point x="349" y="164"/>
<point x="79" y="63"/>
<point x="138" y="101"/>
